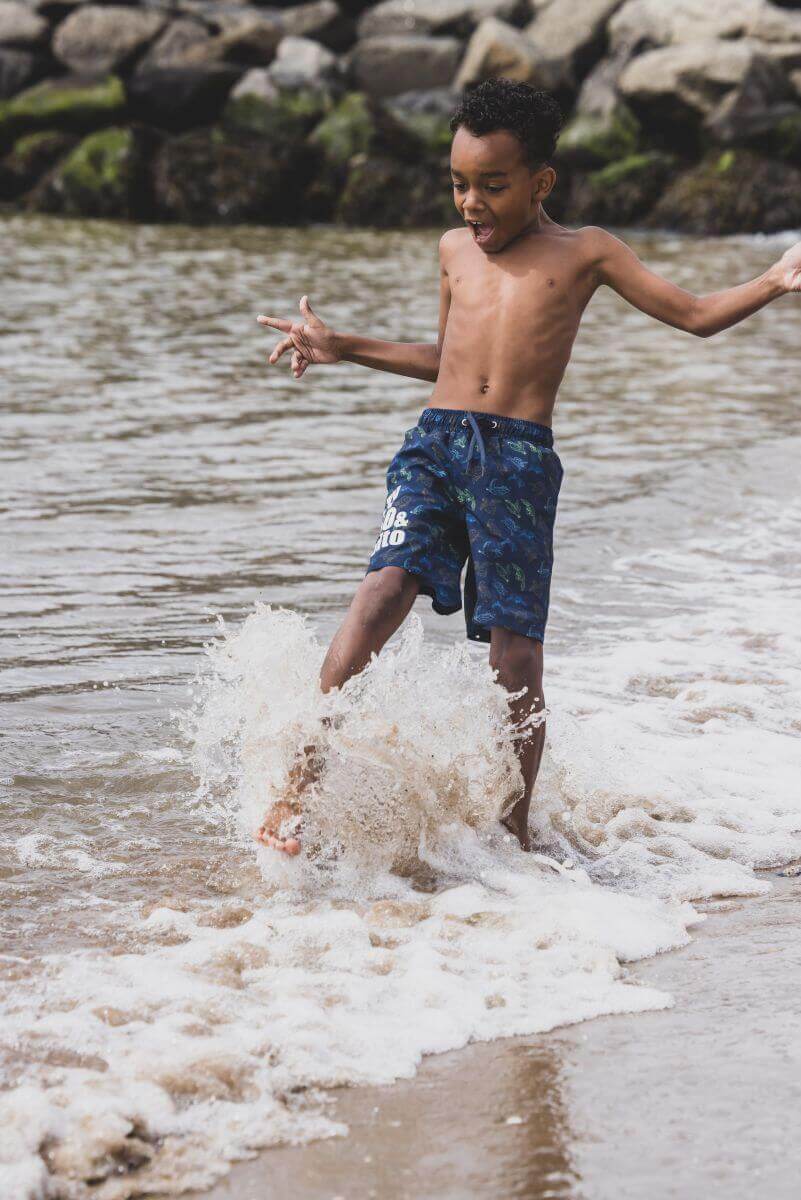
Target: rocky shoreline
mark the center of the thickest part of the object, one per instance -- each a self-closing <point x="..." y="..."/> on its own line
<point x="682" y="114"/>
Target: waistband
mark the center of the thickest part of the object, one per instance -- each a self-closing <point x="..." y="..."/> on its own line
<point x="489" y="423"/>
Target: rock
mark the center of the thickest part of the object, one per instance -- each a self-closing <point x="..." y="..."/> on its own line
<point x="361" y="126"/>
<point x="172" y="46"/>
<point x="455" y="17"/>
<point x="72" y="104"/>
<point x="679" y="88"/>
<point x="97" y="39"/>
<point x="248" y="41"/>
<point x="179" y="98"/>
<point x="598" y="96"/>
<point x="389" y="65"/>
<point x="795" y="80"/>
<point x="735" y="191"/>
<point x="622" y="192"/>
<point x="213" y="175"/>
<point x="594" y="141"/>
<point x="104" y="176"/>
<point x="571" y="38"/>
<point x="655" y="23"/>
<point x="774" y="132"/>
<point x="20" y="26"/>
<point x="497" y="48"/>
<point x="383" y="193"/>
<point x="29" y="159"/>
<point x="301" y="63"/>
<point x="323" y="21"/>
<point x="255" y="84"/>
<point x="433" y="101"/>
<point x="280" y="116"/>
<point x="19" y="69"/>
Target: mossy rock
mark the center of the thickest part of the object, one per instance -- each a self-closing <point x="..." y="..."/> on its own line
<point x="361" y="125"/>
<point x="106" y="175"/>
<point x="73" y="105"/>
<point x="621" y="192"/>
<point x="783" y="140"/>
<point x="289" y="117"/>
<point x="386" y="194"/>
<point x="31" y="157"/>
<point x="431" y="129"/>
<point x="594" y="141"/>
<point x="735" y="191"/>
<point x="219" y="174"/>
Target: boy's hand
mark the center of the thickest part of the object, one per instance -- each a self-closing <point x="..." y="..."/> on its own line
<point x="789" y="269"/>
<point x="310" y="339"/>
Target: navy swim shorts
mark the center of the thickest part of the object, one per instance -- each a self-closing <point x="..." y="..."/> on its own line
<point x="482" y="488"/>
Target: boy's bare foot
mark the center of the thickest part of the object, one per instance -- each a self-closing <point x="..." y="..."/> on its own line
<point x="305" y="772"/>
<point x="518" y="825"/>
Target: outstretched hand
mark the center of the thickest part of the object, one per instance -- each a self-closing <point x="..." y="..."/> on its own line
<point x="790" y="268"/>
<point x="310" y="339"/>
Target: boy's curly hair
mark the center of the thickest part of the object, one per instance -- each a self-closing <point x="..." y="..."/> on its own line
<point x="531" y="115"/>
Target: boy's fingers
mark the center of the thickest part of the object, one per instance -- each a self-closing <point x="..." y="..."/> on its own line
<point x="276" y="323"/>
<point x="306" y="308"/>
<point x="281" y="348"/>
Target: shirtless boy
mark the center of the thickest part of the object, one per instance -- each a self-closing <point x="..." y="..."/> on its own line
<point x="477" y="479"/>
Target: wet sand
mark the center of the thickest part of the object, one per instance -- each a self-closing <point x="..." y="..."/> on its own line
<point x="701" y="1100"/>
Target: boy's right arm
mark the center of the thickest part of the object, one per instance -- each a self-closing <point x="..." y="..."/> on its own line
<point x="312" y="341"/>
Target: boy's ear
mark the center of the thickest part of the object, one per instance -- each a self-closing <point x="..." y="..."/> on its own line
<point x="542" y="183"/>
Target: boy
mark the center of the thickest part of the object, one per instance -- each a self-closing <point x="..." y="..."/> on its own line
<point x="477" y="479"/>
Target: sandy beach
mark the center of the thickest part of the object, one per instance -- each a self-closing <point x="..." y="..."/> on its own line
<point x="698" y="1100"/>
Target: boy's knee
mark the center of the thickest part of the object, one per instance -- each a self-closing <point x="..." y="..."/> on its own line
<point x="382" y="592"/>
<point x="517" y="660"/>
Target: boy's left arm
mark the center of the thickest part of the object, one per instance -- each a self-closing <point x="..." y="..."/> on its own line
<point x="617" y="265"/>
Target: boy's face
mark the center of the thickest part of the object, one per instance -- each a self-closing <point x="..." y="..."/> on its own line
<point x="494" y="189"/>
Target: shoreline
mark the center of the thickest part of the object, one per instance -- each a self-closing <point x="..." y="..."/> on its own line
<point x="666" y="1104"/>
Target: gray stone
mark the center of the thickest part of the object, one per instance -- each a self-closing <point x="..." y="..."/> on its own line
<point x="497" y="48"/>
<point x="18" y="70"/>
<point x="795" y="80"/>
<point x="571" y="37"/>
<point x="20" y="26"/>
<point x="654" y="23"/>
<point x="171" y="48"/>
<point x="179" y="98"/>
<point x="457" y="17"/>
<point x="94" y="40"/>
<point x="302" y="63"/>
<point x="678" y="89"/>
<point x="389" y="65"/>
<point x="258" y="84"/>
<point x="322" y="20"/>
<point x="249" y="41"/>
<point x="598" y="96"/>
<point x="437" y="102"/>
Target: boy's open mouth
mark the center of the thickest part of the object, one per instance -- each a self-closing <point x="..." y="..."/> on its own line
<point x="481" y="231"/>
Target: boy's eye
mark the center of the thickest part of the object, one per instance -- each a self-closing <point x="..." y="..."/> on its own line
<point x="460" y="187"/>
<point x="495" y="189"/>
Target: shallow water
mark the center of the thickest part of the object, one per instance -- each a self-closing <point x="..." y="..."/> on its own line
<point x="172" y="999"/>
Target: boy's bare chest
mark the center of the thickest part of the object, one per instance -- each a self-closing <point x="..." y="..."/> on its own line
<point x="529" y="288"/>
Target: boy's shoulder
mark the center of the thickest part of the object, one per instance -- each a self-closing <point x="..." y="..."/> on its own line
<point x="452" y="239"/>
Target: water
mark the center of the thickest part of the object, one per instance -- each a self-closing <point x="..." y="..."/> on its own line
<point x="174" y="999"/>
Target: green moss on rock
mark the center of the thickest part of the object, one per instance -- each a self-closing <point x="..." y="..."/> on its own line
<point x="621" y="192"/>
<point x="347" y="130"/>
<point x="30" y="158"/>
<point x="734" y="192"/>
<point x="290" y="116"/>
<point x="589" y="141"/>
<point x="73" y="105"/>
<point x="384" y="193"/>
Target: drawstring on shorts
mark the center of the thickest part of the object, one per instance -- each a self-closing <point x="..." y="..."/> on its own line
<point x="477" y="440"/>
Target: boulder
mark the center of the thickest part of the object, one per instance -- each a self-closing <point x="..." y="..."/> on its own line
<point x="598" y="95"/>
<point x="219" y="175"/>
<point x="19" y="69"/>
<point x="497" y="48"/>
<point x="322" y="20"/>
<point x="20" y="26"/>
<point x="734" y="191"/>
<point x="654" y="23"/>
<point x="622" y="192"/>
<point x="594" y="141"/>
<point x="680" y="89"/>
<point x="105" y="175"/>
<point x="97" y="39"/>
<point x="455" y="17"/>
<point x="280" y="116"/>
<point x="30" y="158"/>
<point x="172" y="46"/>
<point x="384" y="193"/>
<point x="179" y="98"/>
<point x="795" y="80"/>
<point x="360" y="125"/>
<point x="388" y="65"/>
<point x="301" y="63"/>
<point x="427" y="116"/>
<point x="72" y="104"/>
<point x="571" y="38"/>
<point x="248" y="41"/>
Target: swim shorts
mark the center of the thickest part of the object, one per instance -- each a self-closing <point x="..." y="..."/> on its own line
<point x="475" y="487"/>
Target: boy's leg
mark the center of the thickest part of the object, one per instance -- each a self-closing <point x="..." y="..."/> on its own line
<point x="381" y="603"/>
<point x="518" y="662"/>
